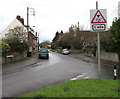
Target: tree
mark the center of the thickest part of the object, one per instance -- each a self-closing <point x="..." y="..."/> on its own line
<point x="74" y="38"/>
<point x="65" y="41"/>
<point x="18" y="32"/>
<point x="111" y="42"/>
<point x="54" y="45"/>
<point x="106" y="41"/>
<point x="16" y="45"/>
<point x="115" y="30"/>
<point x="56" y="37"/>
<point x="73" y="28"/>
<point x="71" y="39"/>
<point x="45" y="44"/>
<point x="55" y="42"/>
<point x="61" y="32"/>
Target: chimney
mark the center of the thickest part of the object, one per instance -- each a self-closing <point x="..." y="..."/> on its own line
<point x="20" y="19"/>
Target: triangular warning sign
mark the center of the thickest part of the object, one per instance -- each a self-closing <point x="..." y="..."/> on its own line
<point x="98" y="18"/>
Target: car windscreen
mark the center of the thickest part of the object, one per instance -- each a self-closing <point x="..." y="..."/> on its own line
<point x="65" y="49"/>
<point x="44" y="51"/>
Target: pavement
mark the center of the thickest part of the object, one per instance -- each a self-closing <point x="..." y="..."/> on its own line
<point x="28" y="61"/>
<point x="104" y="63"/>
<point x="85" y="57"/>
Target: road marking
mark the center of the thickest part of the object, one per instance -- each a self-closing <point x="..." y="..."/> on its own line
<point x="80" y="76"/>
<point x="86" y="77"/>
<point x="73" y="79"/>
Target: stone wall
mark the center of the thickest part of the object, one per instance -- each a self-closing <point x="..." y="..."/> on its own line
<point x="109" y="56"/>
<point x="106" y="56"/>
<point x="16" y="57"/>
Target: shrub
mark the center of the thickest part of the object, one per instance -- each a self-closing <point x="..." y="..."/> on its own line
<point x="4" y="48"/>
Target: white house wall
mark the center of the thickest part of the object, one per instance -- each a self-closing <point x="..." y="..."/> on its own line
<point x="119" y="9"/>
<point x="12" y="25"/>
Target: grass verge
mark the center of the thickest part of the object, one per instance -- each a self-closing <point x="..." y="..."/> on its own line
<point x="79" y="88"/>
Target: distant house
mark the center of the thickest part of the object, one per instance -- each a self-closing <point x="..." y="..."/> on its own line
<point x="28" y="36"/>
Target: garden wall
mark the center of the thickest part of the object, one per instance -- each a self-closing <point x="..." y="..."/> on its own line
<point x="16" y="57"/>
<point x="109" y="56"/>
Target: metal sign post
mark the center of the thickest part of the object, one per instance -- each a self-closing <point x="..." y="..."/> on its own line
<point x="98" y="45"/>
<point x="98" y="23"/>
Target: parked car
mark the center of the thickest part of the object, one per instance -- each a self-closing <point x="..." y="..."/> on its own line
<point x="44" y="53"/>
<point x="65" y="52"/>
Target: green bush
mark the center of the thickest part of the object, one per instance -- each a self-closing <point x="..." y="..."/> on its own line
<point x="111" y="42"/>
<point x="4" y="48"/>
<point x="16" y="45"/>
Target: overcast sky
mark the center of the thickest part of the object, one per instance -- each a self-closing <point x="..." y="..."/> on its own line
<point x="55" y="15"/>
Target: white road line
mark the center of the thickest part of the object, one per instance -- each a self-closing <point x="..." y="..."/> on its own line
<point x="73" y="79"/>
<point x="86" y="77"/>
<point x="80" y="76"/>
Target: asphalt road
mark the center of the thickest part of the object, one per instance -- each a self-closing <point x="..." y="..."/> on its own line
<point x="56" y="69"/>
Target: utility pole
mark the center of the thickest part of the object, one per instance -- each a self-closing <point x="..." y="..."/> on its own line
<point x="29" y="53"/>
<point x="27" y="19"/>
<point x="78" y="25"/>
<point x="98" y="45"/>
<point x="38" y="41"/>
<point x="28" y="25"/>
<point x="33" y="13"/>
